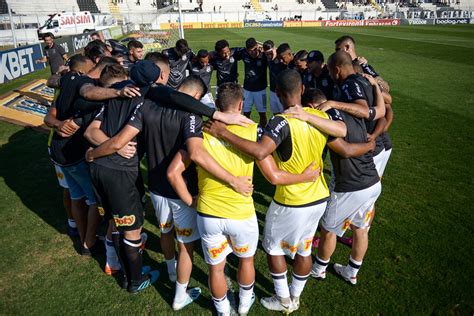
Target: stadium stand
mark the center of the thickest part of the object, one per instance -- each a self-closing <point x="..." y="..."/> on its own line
<point x="42" y="6"/>
<point x="3" y="7"/>
<point x="88" y="5"/>
<point x="330" y="5"/>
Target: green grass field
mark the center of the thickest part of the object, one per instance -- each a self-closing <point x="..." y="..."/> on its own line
<point x="420" y="257"/>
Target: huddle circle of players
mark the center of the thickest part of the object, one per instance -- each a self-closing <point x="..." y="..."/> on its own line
<point x="115" y="108"/>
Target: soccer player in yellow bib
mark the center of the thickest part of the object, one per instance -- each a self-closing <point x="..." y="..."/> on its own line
<point x="226" y="220"/>
<point x="294" y="213"/>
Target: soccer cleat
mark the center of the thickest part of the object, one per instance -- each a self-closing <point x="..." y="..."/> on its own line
<point x="347" y="241"/>
<point x="274" y="303"/>
<point x="145" y="270"/>
<point x="191" y="296"/>
<point x="342" y="271"/>
<point x="147" y="280"/>
<point x="144" y="239"/>
<point x="244" y="306"/>
<point x="111" y="271"/>
<point x="295" y="303"/>
<point x="318" y="275"/>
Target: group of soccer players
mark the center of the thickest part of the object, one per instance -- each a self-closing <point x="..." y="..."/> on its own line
<point x="106" y="118"/>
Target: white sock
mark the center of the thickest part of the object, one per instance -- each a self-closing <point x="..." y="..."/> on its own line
<point x="111" y="254"/>
<point x="320" y="265"/>
<point x="353" y="267"/>
<point x="171" y="266"/>
<point x="222" y="304"/>
<point x="246" y="291"/>
<point x="297" y="284"/>
<point x="281" y="284"/>
<point x="72" y="223"/>
<point x="180" y="292"/>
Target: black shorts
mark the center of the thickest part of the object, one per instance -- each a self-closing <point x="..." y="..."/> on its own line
<point x="118" y="194"/>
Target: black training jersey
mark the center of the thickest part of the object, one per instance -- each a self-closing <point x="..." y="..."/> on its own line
<point x="226" y="69"/>
<point x="164" y="131"/>
<point x="323" y="82"/>
<point x="255" y="72"/>
<point x="274" y="68"/>
<point x="368" y="69"/>
<point x="279" y="131"/>
<point x="55" y="55"/>
<point x="178" y="66"/>
<point x="371" y="124"/>
<point x="357" y="173"/>
<point x="203" y="72"/>
<point x="127" y="63"/>
<point x="66" y="151"/>
<point x="114" y="116"/>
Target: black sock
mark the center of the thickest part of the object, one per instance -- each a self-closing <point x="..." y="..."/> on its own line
<point x="117" y="239"/>
<point x="133" y="253"/>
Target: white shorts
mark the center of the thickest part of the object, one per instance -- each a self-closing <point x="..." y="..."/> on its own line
<point x="174" y="213"/>
<point x="61" y="178"/>
<point x="350" y="208"/>
<point x="290" y="230"/>
<point x="378" y="161"/>
<point x="208" y="100"/>
<point x="384" y="163"/>
<point x="275" y="104"/>
<point x="259" y="98"/>
<point x="222" y="236"/>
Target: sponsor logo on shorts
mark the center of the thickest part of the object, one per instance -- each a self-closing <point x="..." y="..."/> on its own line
<point x="101" y="210"/>
<point x="347" y="223"/>
<point x="368" y="216"/>
<point x="241" y="249"/>
<point x="165" y="225"/>
<point x="60" y="175"/>
<point x="183" y="232"/>
<point x="307" y="244"/>
<point x="216" y="252"/>
<point x="124" y="220"/>
<point x="286" y="246"/>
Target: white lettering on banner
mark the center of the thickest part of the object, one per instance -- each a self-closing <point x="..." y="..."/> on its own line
<point x="16" y="63"/>
<point x="81" y="42"/>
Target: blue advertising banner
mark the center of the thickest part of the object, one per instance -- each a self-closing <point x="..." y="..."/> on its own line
<point x="19" y="62"/>
<point x="263" y="23"/>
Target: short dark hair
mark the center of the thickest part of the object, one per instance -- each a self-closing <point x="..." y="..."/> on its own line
<point x="313" y="95"/>
<point x="250" y="43"/>
<point x="202" y="53"/>
<point x="48" y="35"/>
<point x="76" y="61"/>
<point x="220" y="45"/>
<point x="157" y="58"/>
<point x="95" y="49"/>
<point x="268" y="45"/>
<point x="195" y="82"/>
<point x="343" y="39"/>
<point x="182" y="46"/>
<point x="339" y="58"/>
<point x="111" y="72"/>
<point x="301" y="55"/>
<point x="288" y="81"/>
<point x="134" y="44"/>
<point x="95" y="34"/>
<point x="283" y="48"/>
<point x="229" y="93"/>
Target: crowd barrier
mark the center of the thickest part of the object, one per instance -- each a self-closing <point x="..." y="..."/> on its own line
<point x="452" y="21"/>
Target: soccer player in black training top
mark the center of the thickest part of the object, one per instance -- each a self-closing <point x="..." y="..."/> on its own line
<point x="357" y="184"/>
<point x="317" y="75"/>
<point x="255" y="82"/>
<point x="116" y="182"/>
<point x="135" y="53"/>
<point x="224" y="61"/>
<point x="180" y="57"/>
<point x="274" y="68"/>
<point x="201" y="67"/>
<point x="55" y="54"/>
